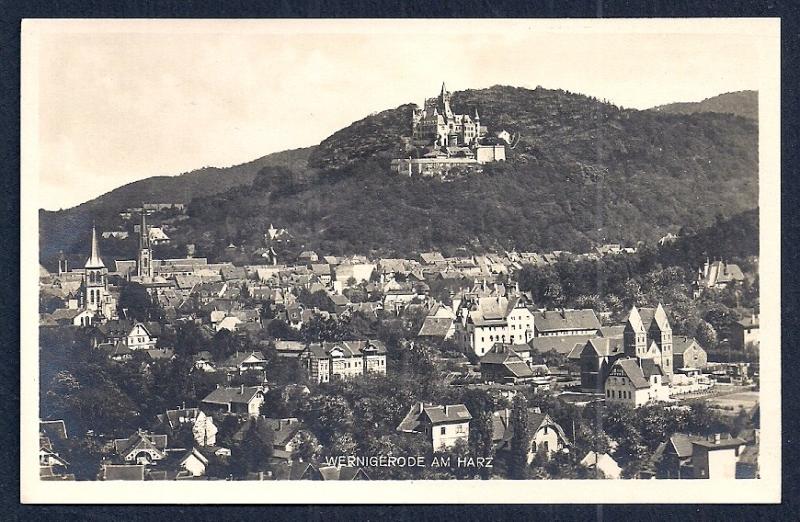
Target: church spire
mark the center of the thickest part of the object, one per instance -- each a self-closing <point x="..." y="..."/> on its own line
<point x="144" y="236"/>
<point x="94" y="260"/>
<point x="444" y="89"/>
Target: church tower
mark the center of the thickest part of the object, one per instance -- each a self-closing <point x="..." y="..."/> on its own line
<point x="634" y="336"/>
<point x="95" y="283"/>
<point x="144" y="263"/>
<point x="661" y="333"/>
<point x="62" y="263"/>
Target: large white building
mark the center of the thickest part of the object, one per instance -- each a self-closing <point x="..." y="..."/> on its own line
<point x="489" y="320"/>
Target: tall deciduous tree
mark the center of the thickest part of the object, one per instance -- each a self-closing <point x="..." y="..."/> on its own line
<point x="521" y="439"/>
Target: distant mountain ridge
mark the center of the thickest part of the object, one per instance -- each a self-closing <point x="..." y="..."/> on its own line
<point x="58" y="228"/>
<point x="740" y="103"/>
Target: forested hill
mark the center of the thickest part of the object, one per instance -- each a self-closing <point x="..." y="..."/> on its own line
<point x="65" y="229"/>
<point x="741" y="103"/>
<point x="583" y="171"/>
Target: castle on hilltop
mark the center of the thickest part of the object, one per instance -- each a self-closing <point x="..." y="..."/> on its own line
<point x="436" y="122"/>
<point x="444" y="141"/>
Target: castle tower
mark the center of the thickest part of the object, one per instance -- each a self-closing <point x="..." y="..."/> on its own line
<point x="661" y="333"/>
<point x="144" y="264"/>
<point x="95" y="284"/>
<point x="634" y="336"/>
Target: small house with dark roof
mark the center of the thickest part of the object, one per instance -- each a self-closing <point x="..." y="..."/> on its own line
<point x="503" y="365"/>
<point x="635" y="382"/>
<point x="242" y="362"/>
<point x="546" y="435"/>
<point x="687" y="353"/>
<point x="442" y="425"/>
<point x="437" y="328"/>
<point x="141" y="448"/>
<point x="242" y="400"/>
<point x="745" y="333"/>
<point x="596" y="358"/>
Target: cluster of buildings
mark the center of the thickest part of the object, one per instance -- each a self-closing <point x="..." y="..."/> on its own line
<point x="448" y="140"/>
<point x="480" y="312"/>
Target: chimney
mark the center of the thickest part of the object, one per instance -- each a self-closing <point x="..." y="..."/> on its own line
<point x="421" y="406"/>
<point x="445" y="410"/>
<point x="757" y="435"/>
<point x="241" y="389"/>
<point x="260" y="475"/>
<point x="537" y="409"/>
<point x="716" y="438"/>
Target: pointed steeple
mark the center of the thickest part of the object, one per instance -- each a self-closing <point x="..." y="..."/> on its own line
<point x="635" y="320"/>
<point x="660" y="318"/>
<point x="94" y="260"/>
<point x="444" y="89"/>
<point x="477" y="116"/>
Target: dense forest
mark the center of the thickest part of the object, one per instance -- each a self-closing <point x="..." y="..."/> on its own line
<point x="741" y="103"/>
<point x="582" y="172"/>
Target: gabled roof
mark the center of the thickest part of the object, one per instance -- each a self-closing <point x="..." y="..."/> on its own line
<point x="237" y="359"/>
<point x="435" y="327"/>
<point x="635" y="322"/>
<point x="196" y="453"/>
<point x="633" y="371"/>
<point x="237" y="395"/>
<point x="503" y="429"/>
<point x="420" y="414"/>
<point x="563" y="344"/>
<point x="141" y="440"/>
<point x="681" y="444"/>
<point x="606" y="346"/>
<point x="174" y="418"/>
<point x="681" y="343"/>
<point x="556" y="320"/>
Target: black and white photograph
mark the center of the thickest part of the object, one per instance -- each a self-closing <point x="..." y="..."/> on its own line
<point x="424" y="255"/>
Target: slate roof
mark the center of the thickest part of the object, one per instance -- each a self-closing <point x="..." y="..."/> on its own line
<point x="682" y="444"/>
<point x="235" y="395"/>
<point x="607" y="346"/>
<point x="557" y="320"/>
<point x="348" y="348"/>
<point x="435" y="327"/>
<point x="123" y="472"/>
<point x="503" y="429"/>
<point x="681" y="343"/>
<point x="139" y="441"/>
<point x="633" y="372"/>
<point x="419" y="414"/>
<point x="289" y="347"/>
<point x="236" y="360"/>
<point x="563" y="344"/>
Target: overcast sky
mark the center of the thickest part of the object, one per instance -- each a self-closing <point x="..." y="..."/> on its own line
<point x="124" y="101"/>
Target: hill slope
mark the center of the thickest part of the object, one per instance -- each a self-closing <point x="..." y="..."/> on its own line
<point x="583" y="172"/>
<point x="741" y="103"/>
<point x="65" y="229"/>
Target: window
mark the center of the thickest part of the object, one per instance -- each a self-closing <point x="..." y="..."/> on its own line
<point x="460" y="428"/>
<point x="443" y="430"/>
